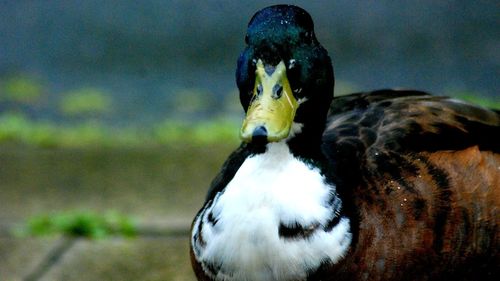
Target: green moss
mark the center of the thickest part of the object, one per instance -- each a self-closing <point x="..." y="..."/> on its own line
<point x="21" y="89"/>
<point x="85" y="101"/>
<point x="79" y="224"/>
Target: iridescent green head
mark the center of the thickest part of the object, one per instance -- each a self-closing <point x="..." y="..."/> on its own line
<point x="284" y="75"/>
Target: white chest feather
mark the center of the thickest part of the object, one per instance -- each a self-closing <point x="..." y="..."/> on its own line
<point x="270" y="190"/>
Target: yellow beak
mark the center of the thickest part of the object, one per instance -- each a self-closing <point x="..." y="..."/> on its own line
<point x="273" y="106"/>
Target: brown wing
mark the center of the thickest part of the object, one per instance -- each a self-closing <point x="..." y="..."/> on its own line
<point x="420" y="178"/>
<point x="373" y="130"/>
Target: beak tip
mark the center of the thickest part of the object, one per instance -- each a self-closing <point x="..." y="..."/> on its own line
<point x="259" y="135"/>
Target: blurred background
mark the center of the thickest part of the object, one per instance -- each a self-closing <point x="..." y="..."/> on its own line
<point x="110" y="105"/>
<point x="136" y="64"/>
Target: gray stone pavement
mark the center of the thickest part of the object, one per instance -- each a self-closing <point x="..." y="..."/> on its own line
<point x="160" y="189"/>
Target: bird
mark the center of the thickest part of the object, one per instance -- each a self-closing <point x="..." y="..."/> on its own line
<point x="377" y="185"/>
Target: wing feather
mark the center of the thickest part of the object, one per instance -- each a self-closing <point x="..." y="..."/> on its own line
<point x="375" y="130"/>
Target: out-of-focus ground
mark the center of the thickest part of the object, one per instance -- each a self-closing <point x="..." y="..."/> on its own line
<point x="161" y="189"/>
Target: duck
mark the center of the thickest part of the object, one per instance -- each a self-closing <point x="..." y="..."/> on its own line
<point x="379" y="185"/>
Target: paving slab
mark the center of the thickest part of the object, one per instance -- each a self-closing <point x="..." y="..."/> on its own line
<point x="146" y="258"/>
<point x="20" y="257"/>
<point x="157" y="184"/>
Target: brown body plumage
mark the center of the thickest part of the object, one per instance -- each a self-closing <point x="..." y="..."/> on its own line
<point x="446" y="228"/>
<point x="429" y="193"/>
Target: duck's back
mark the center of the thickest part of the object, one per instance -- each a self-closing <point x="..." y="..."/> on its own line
<point x="420" y="175"/>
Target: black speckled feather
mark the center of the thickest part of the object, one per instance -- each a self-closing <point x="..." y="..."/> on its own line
<point x="376" y="127"/>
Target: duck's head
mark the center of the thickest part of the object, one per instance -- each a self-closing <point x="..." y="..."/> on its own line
<point x="284" y="75"/>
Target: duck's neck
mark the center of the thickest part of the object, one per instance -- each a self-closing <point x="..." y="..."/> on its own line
<point x="305" y="144"/>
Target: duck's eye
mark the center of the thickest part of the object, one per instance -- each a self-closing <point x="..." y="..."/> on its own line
<point x="246" y="39"/>
<point x="291" y="63"/>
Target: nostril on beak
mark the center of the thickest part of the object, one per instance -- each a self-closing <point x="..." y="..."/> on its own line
<point x="277" y="91"/>
<point x="259" y="135"/>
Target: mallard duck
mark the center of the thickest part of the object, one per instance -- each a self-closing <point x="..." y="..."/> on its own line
<point x="382" y="185"/>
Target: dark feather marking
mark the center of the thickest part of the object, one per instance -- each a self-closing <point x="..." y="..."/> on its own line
<point x="198" y="237"/>
<point x="408" y="186"/>
<point x="372" y="117"/>
<point x="368" y="136"/>
<point x="418" y="207"/>
<point x="464" y="236"/>
<point x="320" y="272"/>
<point x="386" y="103"/>
<point x="386" y="163"/>
<point x="296" y="230"/>
<point x="332" y="223"/>
<point x="212" y="219"/>
<point x="212" y="268"/>
<point x="348" y="130"/>
<point x="443" y="204"/>
<point x="388" y="190"/>
<point x="486" y="136"/>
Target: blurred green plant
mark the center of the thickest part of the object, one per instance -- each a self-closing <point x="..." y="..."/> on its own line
<point x="16" y="128"/>
<point x="478" y="99"/>
<point x="79" y="224"/>
<point x="85" y="102"/>
<point x="192" y="100"/>
<point x="205" y="132"/>
<point x="20" y="89"/>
